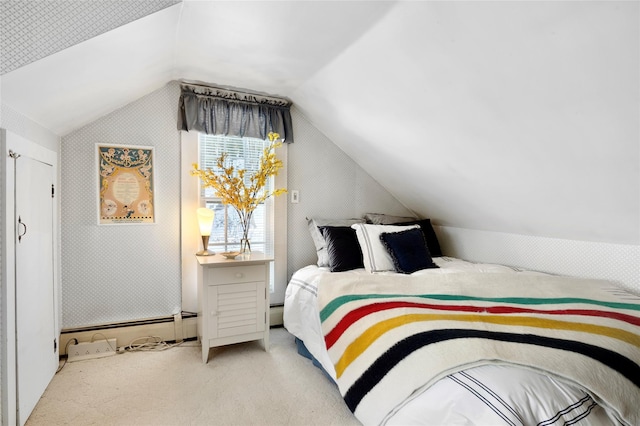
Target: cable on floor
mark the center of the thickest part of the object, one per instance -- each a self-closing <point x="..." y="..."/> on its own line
<point x="150" y="343"/>
<point x="66" y="351"/>
<point x="105" y="339"/>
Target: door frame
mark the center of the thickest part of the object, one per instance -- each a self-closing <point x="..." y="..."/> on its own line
<point x="11" y="142"/>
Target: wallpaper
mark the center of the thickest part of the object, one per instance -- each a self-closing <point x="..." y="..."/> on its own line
<point x="27" y="128"/>
<point x="331" y="185"/>
<point x="613" y="262"/>
<point x="117" y="273"/>
<point x="33" y="29"/>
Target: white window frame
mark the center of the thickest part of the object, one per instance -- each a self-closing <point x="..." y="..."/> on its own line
<point x="190" y="234"/>
<point x="264" y="244"/>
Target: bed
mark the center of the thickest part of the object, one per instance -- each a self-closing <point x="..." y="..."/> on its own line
<point x="414" y="337"/>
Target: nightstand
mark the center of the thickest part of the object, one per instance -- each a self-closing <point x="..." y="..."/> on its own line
<point x="233" y="300"/>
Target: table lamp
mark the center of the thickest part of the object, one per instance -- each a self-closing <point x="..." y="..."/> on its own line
<point x="205" y="220"/>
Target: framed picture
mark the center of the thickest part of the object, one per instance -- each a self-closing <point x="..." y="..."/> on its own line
<point x="126" y="184"/>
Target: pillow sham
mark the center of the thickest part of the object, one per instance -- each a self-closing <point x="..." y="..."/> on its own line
<point x="318" y="239"/>
<point x="375" y="256"/>
<point x="343" y="249"/>
<point x="386" y="219"/>
<point x="429" y="235"/>
<point x="408" y="250"/>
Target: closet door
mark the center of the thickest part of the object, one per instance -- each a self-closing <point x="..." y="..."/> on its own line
<point x="36" y="338"/>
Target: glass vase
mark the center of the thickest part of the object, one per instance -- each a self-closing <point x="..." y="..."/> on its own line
<point x="245" y="246"/>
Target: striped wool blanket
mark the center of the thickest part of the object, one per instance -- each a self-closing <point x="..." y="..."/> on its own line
<point x="390" y="336"/>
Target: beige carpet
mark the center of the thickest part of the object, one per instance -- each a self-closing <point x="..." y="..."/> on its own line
<point x="241" y="385"/>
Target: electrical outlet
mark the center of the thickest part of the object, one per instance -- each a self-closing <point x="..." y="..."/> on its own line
<point x="88" y="350"/>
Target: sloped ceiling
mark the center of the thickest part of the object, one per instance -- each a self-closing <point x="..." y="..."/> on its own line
<point x="518" y="117"/>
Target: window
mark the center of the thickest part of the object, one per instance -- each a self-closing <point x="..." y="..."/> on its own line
<point x="242" y="153"/>
<point x="191" y="198"/>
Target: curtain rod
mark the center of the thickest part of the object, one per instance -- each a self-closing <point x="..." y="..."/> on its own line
<point x="235" y="94"/>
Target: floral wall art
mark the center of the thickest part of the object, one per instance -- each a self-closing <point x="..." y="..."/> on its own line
<point x="125" y="184"/>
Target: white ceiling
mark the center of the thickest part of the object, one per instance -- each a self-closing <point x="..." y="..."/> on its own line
<point x="518" y="117"/>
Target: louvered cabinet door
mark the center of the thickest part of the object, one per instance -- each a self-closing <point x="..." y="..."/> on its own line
<point x="236" y="309"/>
<point x="233" y="302"/>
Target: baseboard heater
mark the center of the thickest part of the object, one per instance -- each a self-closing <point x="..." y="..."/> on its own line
<point x="128" y="323"/>
<point x="174" y="328"/>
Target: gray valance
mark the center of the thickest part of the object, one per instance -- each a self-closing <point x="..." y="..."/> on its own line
<point x="217" y="111"/>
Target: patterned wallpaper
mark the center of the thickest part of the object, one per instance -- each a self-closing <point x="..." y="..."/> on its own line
<point x="615" y="262"/>
<point x="114" y="273"/>
<point x="331" y="185"/>
<point x="33" y="29"/>
<point x="27" y="128"/>
<point x="127" y="272"/>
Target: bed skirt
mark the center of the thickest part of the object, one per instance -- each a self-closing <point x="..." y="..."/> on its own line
<point x="302" y="350"/>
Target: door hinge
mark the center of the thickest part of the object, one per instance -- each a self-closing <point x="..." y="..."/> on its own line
<point x="53" y="190"/>
<point x="55" y="344"/>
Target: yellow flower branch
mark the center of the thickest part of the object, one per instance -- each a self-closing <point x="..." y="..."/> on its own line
<point x="233" y="188"/>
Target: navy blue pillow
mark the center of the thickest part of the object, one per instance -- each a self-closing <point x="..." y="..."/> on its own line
<point x="429" y="235"/>
<point x="343" y="248"/>
<point x="408" y="250"/>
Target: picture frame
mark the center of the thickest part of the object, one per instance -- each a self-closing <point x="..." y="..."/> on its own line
<point x="126" y="184"/>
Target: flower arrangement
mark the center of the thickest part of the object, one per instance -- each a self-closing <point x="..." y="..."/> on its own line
<point x="244" y="193"/>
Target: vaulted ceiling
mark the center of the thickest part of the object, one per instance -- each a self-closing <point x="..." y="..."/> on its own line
<point x="518" y="117"/>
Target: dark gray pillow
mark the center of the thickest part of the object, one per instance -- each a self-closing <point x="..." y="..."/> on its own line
<point x="408" y="250"/>
<point x="343" y="248"/>
<point x="386" y="219"/>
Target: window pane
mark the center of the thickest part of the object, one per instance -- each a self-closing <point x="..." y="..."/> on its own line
<point x="243" y="153"/>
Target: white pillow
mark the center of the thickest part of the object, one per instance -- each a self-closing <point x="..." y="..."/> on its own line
<point x="375" y="256"/>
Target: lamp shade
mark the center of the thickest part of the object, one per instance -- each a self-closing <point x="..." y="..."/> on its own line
<point x="205" y="220"/>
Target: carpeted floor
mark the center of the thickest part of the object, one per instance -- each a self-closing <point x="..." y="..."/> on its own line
<point x="241" y="385"/>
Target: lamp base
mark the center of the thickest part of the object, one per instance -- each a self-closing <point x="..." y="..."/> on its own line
<point x="205" y="244"/>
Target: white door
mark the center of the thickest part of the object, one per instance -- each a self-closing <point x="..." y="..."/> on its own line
<point x="35" y="313"/>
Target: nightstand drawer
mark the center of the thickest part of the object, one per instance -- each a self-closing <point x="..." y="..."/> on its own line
<point x="239" y="274"/>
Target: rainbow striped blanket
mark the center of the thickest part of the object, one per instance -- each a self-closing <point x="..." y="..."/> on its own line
<point x="390" y="336"/>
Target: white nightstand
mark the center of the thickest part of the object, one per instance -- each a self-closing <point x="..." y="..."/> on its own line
<point x="233" y="300"/>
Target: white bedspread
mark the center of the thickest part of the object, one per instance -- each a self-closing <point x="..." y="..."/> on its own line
<point x="482" y="395"/>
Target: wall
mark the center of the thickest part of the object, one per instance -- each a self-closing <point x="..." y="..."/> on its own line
<point x="509" y="116"/>
<point x="615" y="262"/>
<point x="27" y="128"/>
<point x="331" y="185"/>
<point x="116" y="273"/>
<point x="123" y="273"/>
